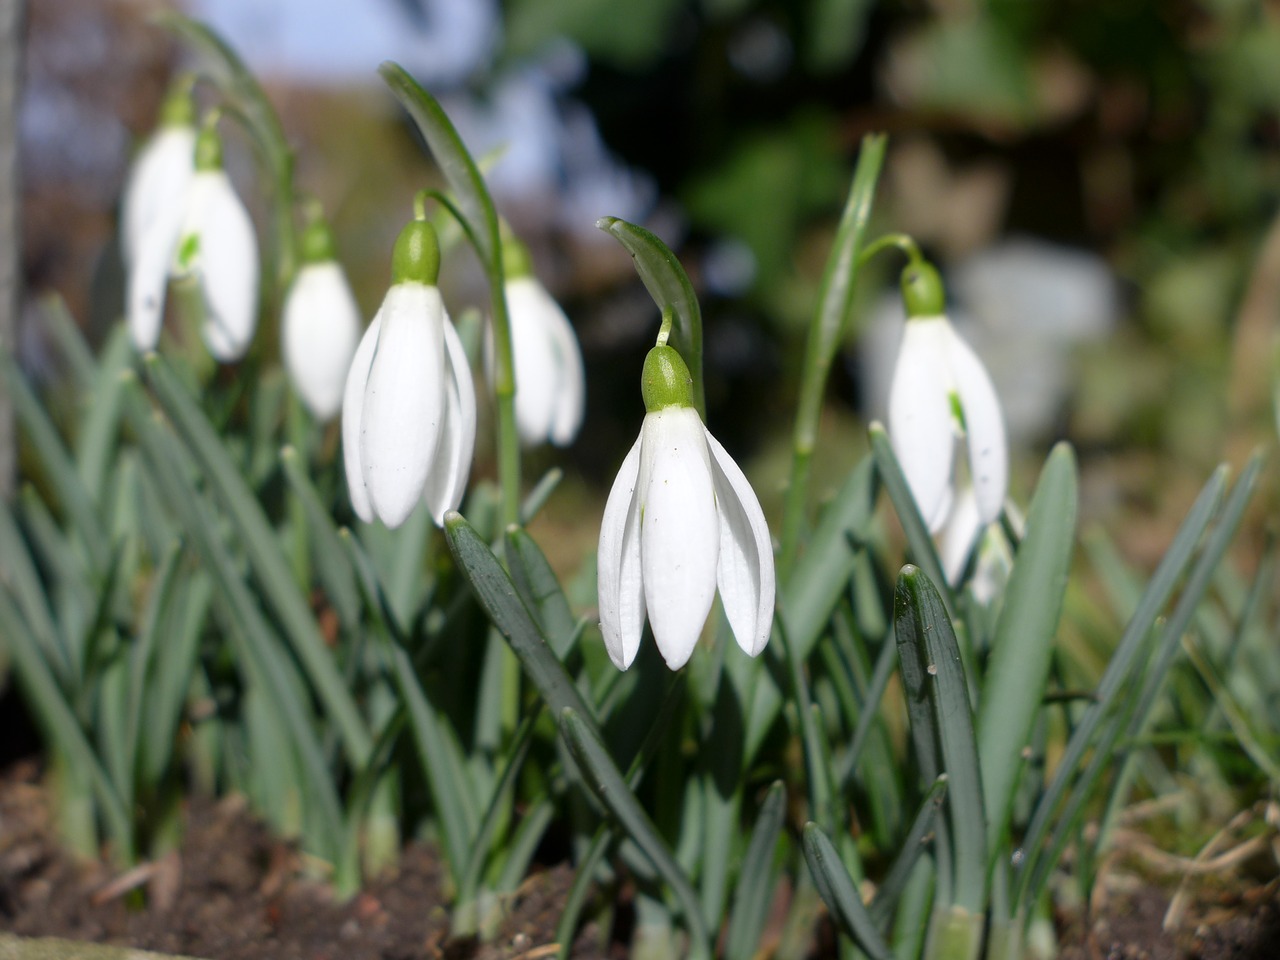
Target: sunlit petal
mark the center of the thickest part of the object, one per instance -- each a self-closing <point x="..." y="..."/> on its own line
<point x="448" y="478"/>
<point x="536" y="369"/>
<point x="745" y="573"/>
<point x="148" y="279"/>
<point x="352" y="414"/>
<point x="404" y="401"/>
<point x="157" y="181"/>
<point x="680" y="536"/>
<point x="984" y="427"/>
<point x="223" y="256"/>
<point x="959" y="535"/>
<point x="920" y="423"/>
<point x="319" y="330"/>
<point x="621" y="591"/>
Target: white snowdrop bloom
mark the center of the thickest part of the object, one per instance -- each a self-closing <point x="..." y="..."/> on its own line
<point x="151" y="214"/>
<point x="212" y="244"/>
<point x="160" y="172"/>
<point x="681" y="520"/>
<point x="550" y="379"/>
<point x="941" y="395"/>
<point x="409" y="407"/>
<point x="320" y="325"/>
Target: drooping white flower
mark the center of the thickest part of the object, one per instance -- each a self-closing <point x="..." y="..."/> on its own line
<point x="320" y="326"/>
<point x="550" y="381"/>
<point x="680" y="521"/>
<point x="212" y="243"/>
<point x="942" y="397"/>
<point x="160" y="172"/>
<point x="151" y="213"/>
<point x="409" y="407"/>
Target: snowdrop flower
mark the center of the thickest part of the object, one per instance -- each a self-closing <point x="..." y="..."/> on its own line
<point x="680" y="520"/>
<point x="158" y="178"/>
<point x="409" y="407"/>
<point x="941" y="396"/>
<point x="212" y="244"/>
<point x="321" y="324"/>
<point x="550" y="381"/>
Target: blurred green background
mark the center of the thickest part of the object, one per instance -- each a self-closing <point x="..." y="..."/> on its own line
<point x="1098" y="179"/>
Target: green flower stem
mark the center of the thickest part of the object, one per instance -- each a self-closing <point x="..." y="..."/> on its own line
<point x="825" y="336"/>
<point x="504" y="389"/>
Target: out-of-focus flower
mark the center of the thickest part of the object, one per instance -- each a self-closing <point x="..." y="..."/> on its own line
<point x="550" y="380"/>
<point x="211" y="243"/>
<point x="681" y="520"/>
<point x="409" y="408"/>
<point x="158" y="178"/>
<point x="941" y="397"/>
<point x="321" y="324"/>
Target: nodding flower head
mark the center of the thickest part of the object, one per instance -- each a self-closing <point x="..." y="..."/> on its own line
<point x="409" y="407"/>
<point x="680" y="521"/>
<point x="210" y="241"/>
<point x="321" y="324"/>
<point x="942" y="401"/>
<point x="550" y="381"/>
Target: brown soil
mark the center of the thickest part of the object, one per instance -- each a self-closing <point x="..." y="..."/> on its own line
<point x="233" y="892"/>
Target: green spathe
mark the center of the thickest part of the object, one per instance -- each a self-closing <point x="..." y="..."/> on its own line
<point x="416" y="258"/>
<point x="666" y="381"/>
<point x="316" y="244"/>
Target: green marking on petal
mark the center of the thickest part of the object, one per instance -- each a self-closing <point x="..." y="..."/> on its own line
<point x="957" y="410"/>
<point x="188" y="250"/>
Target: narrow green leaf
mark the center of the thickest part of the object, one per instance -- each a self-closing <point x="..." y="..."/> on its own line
<point x="671" y="290"/>
<point x="265" y="554"/>
<point x="574" y="901"/>
<point x="66" y="332"/>
<point x="909" y="852"/>
<point x="57" y="462"/>
<point x="1018" y="670"/>
<point x="923" y="629"/>
<point x="540" y="494"/>
<point x="818" y="583"/>
<point x="336" y="572"/>
<point x="455" y="161"/>
<point x="540" y="590"/>
<point x="919" y="541"/>
<point x="840" y="895"/>
<point x="757" y="877"/>
<point x="60" y="723"/>
<point x="101" y="423"/>
<point x="439" y="752"/>
<point x="611" y="790"/>
<point x="1115" y="679"/>
<point x="18" y="574"/>
<point x="254" y="640"/>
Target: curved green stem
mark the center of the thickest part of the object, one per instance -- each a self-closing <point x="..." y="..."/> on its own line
<point x="825" y="336"/>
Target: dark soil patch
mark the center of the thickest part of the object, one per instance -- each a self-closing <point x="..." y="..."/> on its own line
<point x="235" y="893"/>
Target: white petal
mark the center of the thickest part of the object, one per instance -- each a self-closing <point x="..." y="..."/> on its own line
<point x="148" y="278"/>
<point x="620" y="587"/>
<point x="536" y="370"/>
<point x="984" y="427"/>
<point x="403" y="401"/>
<point x="550" y="381"/>
<point x="157" y="181"/>
<point x="745" y="573"/>
<point x="352" y="414"/>
<point x="225" y="262"/>
<point x="959" y="535"/>
<point x="679" y="530"/>
<point x="448" y="478"/>
<point x="920" y="423"/>
<point x="319" y="330"/>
